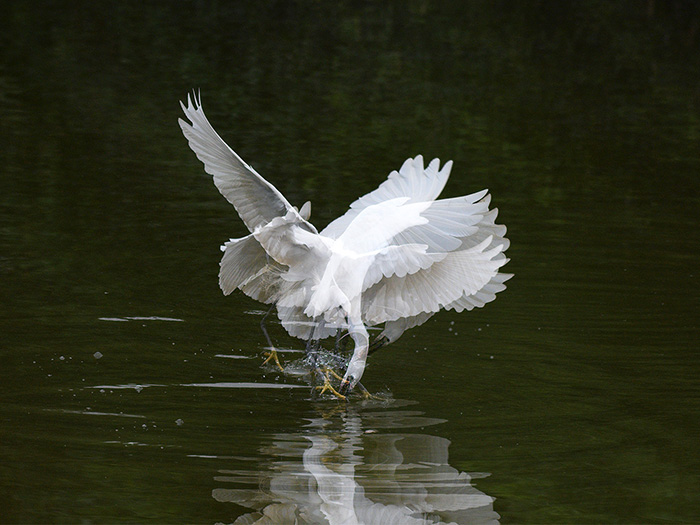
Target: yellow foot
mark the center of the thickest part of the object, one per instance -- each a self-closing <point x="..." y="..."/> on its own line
<point x="272" y="355"/>
<point x="332" y="372"/>
<point x="327" y="386"/>
<point x="365" y="393"/>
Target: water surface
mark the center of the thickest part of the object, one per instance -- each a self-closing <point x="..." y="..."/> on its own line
<point x="132" y="389"/>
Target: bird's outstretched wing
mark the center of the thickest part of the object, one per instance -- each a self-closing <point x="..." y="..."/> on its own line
<point x="464" y="278"/>
<point x="444" y="222"/>
<point x="460" y="274"/>
<point x="413" y="180"/>
<point x="394" y="329"/>
<point x="256" y="200"/>
<point x="243" y="260"/>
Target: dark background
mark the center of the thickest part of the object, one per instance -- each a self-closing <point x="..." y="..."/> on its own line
<point x="576" y="389"/>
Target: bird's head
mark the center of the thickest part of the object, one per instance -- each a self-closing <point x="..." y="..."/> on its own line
<point x="352" y="376"/>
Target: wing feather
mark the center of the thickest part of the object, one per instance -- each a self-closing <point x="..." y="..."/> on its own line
<point x="414" y="181"/>
<point x="243" y="259"/>
<point x="460" y="274"/>
<point x="256" y="200"/>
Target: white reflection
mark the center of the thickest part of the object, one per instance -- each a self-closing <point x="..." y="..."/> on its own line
<point x="355" y="467"/>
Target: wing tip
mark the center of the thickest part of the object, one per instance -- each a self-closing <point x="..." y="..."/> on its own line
<point x="194" y="101"/>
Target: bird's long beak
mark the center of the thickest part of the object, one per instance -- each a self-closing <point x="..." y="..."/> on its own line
<point x="345" y="386"/>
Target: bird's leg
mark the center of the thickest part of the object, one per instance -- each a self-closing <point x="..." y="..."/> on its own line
<point x="313" y="344"/>
<point x="312" y="352"/>
<point x="327" y="386"/>
<point x="272" y="354"/>
<point x="332" y="372"/>
<point x="262" y="326"/>
<point x="379" y="342"/>
<point x="364" y="392"/>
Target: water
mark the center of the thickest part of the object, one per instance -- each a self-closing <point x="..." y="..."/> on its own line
<point x="132" y="389"/>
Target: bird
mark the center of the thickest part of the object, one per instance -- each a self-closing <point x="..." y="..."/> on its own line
<point x="397" y="256"/>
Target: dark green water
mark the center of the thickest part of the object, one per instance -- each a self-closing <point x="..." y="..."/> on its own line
<point x="131" y="388"/>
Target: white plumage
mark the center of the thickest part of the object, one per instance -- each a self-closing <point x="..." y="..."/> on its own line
<point x="396" y="257"/>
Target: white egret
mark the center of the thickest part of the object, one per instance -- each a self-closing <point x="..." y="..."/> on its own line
<point x="396" y="257"/>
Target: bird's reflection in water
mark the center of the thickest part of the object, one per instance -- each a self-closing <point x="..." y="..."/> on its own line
<point x="357" y="465"/>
